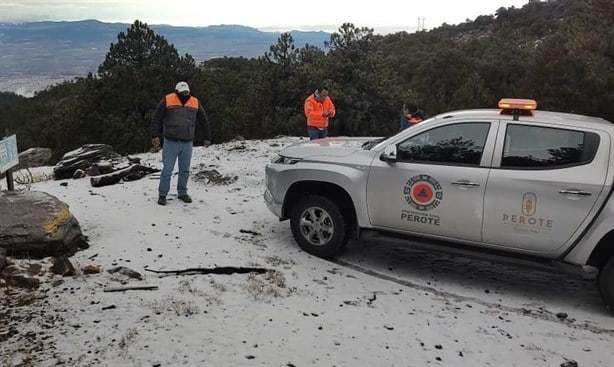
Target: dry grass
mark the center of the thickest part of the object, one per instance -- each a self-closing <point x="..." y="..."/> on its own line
<point x="269" y="284"/>
<point x="128" y="338"/>
<point x="218" y="286"/>
<point x="277" y="261"/>
<point x="184" y="308"/>
<point x="187" y="286"/>
<point x="177" y="306"/>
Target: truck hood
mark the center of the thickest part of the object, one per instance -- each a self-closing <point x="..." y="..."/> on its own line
<point x="329" y="147"/>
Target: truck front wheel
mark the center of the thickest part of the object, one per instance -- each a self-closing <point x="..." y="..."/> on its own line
<point x="606" y="283"/>
<point x="318" y="225"/>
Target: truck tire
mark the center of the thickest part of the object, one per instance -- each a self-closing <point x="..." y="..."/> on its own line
<point x="606" y="284"/>
<point x="318" y="226"/>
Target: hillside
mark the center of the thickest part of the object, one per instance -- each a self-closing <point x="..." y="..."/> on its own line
<point x="558" y="52"/>
<point x="375" y="305"/>
<point x="40" y="53"/>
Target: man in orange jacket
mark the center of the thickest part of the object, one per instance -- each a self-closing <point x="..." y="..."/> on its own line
<point x="318" y="109"/>
<point x="411" y="116"/>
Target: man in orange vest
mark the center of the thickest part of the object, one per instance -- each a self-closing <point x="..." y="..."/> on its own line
<point x="411" y="116"/>
<point x="175" y="120"/>
<point x="318" y="109"/>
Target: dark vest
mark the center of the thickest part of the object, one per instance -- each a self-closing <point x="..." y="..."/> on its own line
<point x="180" y="120"/>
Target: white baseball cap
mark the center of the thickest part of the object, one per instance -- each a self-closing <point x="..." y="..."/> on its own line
<point x="182" y="87"/>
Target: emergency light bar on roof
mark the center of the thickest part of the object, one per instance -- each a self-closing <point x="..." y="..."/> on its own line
<point x="517" y="107"/>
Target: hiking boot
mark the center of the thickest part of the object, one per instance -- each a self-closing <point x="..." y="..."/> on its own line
<point x="185" y="198"/>
<point x="162" y="200"/>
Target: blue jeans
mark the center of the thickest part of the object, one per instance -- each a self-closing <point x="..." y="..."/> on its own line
<point x="315" y="133"/>
<point x="171" y="152"/>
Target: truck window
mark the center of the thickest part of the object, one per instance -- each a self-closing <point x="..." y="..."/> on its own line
<point x="535" y="147"/>
<point x="458" y="144"/>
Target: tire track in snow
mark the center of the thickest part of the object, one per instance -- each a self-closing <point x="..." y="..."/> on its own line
<point x="542" y="314"/>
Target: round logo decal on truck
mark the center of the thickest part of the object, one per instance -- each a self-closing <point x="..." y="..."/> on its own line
<point x="423" y="192"/>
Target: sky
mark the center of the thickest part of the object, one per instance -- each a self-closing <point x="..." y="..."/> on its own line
<point x="383" y="15"/>
<point x="376" y="305"/>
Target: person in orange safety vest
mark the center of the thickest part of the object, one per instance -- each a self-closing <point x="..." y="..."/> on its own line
<point x="319" y="108"/>
<point x="411" y="116"/>
<point x="175" y="120"/>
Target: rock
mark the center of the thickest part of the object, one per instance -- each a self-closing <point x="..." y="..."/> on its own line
<point x="34" y="157"/>
<point x="561" y="315"/>
<point x="131" y="173"/>
<point x="126" y="271"/>
<point x="17" y="276"/>
<point x="34" y="269"/>
<point x="105" y="167"/>
<point x="23" y="281"/>
<point x="134" y="160"/>
<point x="3" y="261"/>
<point x="569" y="363"/>
<point x="93" y="170"/>
<point x="91" y="269"/>
<point x="62" y="266"/>
<point x="83" y="158"/>
<point x="67" y="170"/>
<point x="79" y="174"/>
<point x="37" y="224"/>
<point x="238" y="138"/>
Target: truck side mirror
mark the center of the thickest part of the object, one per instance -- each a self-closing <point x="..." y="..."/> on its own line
<point x="389" y="154"/>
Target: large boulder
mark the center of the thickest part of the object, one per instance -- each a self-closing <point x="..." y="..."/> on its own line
<point x="83" y="158"/>
<point x="34" y="157"/>
<point x="37" y="224"/>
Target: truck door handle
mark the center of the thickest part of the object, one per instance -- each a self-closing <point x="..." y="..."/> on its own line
<point x="465" y="183"/>
<point x="574" y="192"/>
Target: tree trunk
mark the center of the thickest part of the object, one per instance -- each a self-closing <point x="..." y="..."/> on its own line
<point x="133" y="172"/>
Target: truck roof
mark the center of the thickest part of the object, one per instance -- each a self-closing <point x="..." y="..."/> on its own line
<point x="560" y="118"/>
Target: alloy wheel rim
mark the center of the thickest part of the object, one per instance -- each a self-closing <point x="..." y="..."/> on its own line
<point x="316" y="226"/>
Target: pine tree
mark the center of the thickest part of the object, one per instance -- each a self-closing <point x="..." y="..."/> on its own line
<point x="137" y="72"/>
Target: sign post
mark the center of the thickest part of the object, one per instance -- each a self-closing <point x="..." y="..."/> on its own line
<point x="9" y="158"/>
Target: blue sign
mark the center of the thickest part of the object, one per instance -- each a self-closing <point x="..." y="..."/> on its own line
<point x="9" y="157"/>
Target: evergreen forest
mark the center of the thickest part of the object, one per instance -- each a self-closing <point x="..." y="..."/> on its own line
<point x="558" y="52"/>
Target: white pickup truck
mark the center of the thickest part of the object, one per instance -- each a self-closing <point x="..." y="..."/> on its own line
<point x="511" y="183"/>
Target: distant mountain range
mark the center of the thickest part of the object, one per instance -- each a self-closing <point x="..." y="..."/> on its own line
<point x="33" y="55"/>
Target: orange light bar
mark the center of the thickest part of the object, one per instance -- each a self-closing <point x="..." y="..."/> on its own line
<point x="518" y="104"/>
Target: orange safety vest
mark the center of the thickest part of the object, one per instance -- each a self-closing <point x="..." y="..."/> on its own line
<point x="172" y="100"/>
<point x="414" y="120"/>
<point x="314" y="111"/>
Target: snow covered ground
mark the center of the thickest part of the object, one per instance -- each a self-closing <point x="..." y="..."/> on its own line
<point x="376" y="305"/>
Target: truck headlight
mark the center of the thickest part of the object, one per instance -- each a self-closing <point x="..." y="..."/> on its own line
<point x="280" y="159"/>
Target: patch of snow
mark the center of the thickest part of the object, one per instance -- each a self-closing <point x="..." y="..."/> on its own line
<point x="408" y="308"/>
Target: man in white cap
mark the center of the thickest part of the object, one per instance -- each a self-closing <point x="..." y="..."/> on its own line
<point x="175" y="120"/>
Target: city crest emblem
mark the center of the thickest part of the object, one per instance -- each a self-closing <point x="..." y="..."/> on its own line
<point x="423" y="192"/>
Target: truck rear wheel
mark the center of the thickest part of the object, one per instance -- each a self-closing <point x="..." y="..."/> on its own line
<point x="318" y="225"/>
<point x="606" y="284"/>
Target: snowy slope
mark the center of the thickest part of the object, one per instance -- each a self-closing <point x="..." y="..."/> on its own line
<point x="377" y="305"/>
